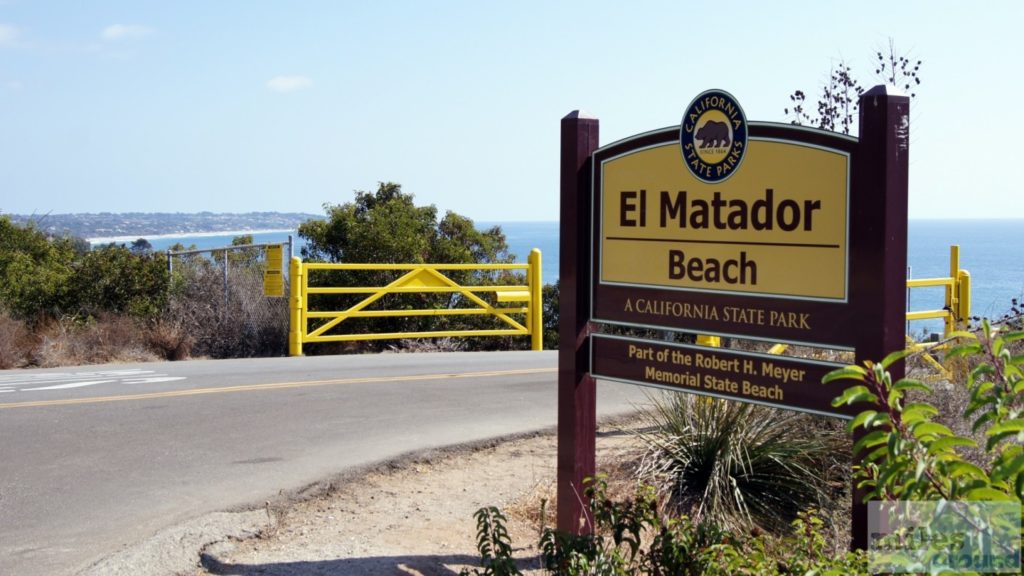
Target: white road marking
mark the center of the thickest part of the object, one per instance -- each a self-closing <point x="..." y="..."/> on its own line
<point x="154" y="380"/>
<point x="67" y="380"/>
<point x="68" y="385"/>
<point x="55" y="377"/>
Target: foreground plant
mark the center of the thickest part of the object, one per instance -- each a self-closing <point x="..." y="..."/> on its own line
<point x="736" y="464"/>
<point x="630" y="537"/>
<point x="494" y="545"/>
<point x="909" y="456"/>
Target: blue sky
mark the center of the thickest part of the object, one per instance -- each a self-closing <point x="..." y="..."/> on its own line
<point x="235" y="106"/>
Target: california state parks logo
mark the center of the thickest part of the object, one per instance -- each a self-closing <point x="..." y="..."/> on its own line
<point x="713" y="136"/>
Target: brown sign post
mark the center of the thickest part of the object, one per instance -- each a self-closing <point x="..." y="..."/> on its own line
<point x="723" y="227"/>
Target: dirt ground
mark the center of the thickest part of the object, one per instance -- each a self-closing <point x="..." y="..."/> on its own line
<point x="413" y="517"/>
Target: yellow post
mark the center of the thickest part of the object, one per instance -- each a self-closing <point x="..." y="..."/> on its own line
<point x="713" y="341"/>
<point x="535" y="321"/>
<point x="952" y="297"/>
<point x="963" y="285"/>
<point x="296" y="302"/>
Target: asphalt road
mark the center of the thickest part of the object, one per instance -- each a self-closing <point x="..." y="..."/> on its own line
<point x="93" y="459"/>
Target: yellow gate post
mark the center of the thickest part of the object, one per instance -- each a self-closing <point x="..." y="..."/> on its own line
<point x="295" y="308"/>
<point x="963" y="294"/>
<point x="713" y="341"/>
<point x="952" y="294"/>
<point x="535" y="321"/>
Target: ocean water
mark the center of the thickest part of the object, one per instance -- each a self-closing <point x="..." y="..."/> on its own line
<point x="991" y="250"/>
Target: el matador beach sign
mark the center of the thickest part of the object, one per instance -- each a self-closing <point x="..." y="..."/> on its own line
<point x="719" y="211"/>
<point x="721" y="226"/>
<point x="726" y="227"/>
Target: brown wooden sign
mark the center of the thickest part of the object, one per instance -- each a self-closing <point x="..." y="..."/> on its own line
<point x="724" y="227"/>
<point x="771" y="380"/>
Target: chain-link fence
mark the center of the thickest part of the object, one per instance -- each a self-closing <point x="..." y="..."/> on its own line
<point x="217" y="299"/>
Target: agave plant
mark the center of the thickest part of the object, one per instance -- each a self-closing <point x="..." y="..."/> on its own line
<point x="739" y="465"/>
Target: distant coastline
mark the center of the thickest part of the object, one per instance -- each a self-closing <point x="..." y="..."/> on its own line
<point x="107" y="227"/>
<point x="218" y="233"/>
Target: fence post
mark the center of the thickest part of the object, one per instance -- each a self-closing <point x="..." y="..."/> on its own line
<point x="963" y="291"/>
<point x="878" y="271"/>
<point x="577" y="390"/>
<point x="952" y="292"/>
<point x="225" y="311"/>
<point x="536" y="319"/>
<point x="296" y="302"/>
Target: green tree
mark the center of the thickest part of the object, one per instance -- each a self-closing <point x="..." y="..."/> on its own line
<point x="141" y="246"/>
<point x="118" y="279"/>
<point x="42" y="276"/>
<point x="34" y="270"/>
<point x="387" y="227"/>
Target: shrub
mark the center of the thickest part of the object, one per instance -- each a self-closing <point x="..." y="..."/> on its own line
<point x="803" y="551"/>
<point x="204" y="320"/>
<point x="734" y="463"/>
<point x="34" y="271"/>
<point x="910" y="456"/>
<point x="14" y="342"/>
<point x="43" y="277"/>
<point x="630" y="537"/>
<point x="116" y="279"/>
<point x="549" y="297"/>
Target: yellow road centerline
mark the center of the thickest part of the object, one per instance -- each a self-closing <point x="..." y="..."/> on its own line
<point x="275" y="386"/>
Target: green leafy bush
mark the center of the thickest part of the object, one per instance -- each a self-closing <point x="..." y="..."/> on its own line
<point x="631" y="537"/>
<point x="910" y="456"/>
<point x="116" y="279"/>
<point x="550" y="296"/>
<point x="35" y="271"/>
<point x="42" y="277"/>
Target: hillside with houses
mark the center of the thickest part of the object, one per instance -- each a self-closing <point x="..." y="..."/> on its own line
<point x="107" y="224"/>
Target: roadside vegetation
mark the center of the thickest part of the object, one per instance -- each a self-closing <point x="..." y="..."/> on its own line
<point x="694" y="502"/>
<point x="62" y="303"/>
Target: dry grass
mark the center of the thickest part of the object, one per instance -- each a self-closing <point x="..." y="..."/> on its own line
<point x="107" y="339"/>
<point x="418" y="345"/>
<point x="15" y="342"/>
<point x="170" y="340"/>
